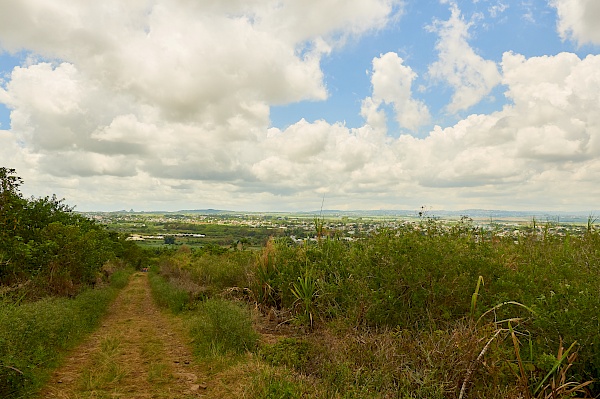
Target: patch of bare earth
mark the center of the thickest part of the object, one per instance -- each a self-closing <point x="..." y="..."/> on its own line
<point x="136" y="353"/>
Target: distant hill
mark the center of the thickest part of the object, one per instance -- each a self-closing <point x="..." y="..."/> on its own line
<point x="206" y="211"/>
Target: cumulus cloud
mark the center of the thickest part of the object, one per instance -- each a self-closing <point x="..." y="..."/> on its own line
<point x="392" y="84"/>
<point x="173" y="88"/>
<point x="547" y="139"/>
<point x="168" y="101"/>
<point x="458" y="65"/>
<point x="186" y="56"/>
<point x="578" y="20"/>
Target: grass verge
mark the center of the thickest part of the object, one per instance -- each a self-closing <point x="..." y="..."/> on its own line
<point x="34" y="336"/>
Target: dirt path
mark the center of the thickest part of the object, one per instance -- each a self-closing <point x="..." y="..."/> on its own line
<point x="136" y="353"/>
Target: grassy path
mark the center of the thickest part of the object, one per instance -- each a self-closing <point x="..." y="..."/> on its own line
<point x="136" y="353"/>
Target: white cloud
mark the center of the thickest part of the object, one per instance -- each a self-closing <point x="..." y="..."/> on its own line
<point x="544" y="145"/>
<point x="166" y="104"/>
<point x="471" y="76"/>
<point x="373" y="115"/>
<point x="547" y="140"/>
<point x="497" y="9"/>
<point x="392" y="84"/>
<point x="578" y="20"/>
<point x="203" y="73"/>
<point x="184" y="56"/>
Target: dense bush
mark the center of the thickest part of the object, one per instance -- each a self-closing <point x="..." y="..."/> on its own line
<point x="45" y="244"/>
<point x="422" y="278"/>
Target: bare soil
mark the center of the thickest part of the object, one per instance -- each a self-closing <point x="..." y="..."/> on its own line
<point x="138" y="352"/>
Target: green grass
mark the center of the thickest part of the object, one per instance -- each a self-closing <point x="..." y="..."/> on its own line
<point x="105" y="369"/>
<point x="271" y="385"/>
<point x="34" y="336"/>
<point x="166" y="295"/>
<point x="221" y="327"/>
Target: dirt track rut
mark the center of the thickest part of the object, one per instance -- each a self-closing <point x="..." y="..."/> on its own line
<point x="136" y="353"/>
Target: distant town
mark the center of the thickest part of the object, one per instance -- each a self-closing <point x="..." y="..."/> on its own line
<point x="229" y="228"/>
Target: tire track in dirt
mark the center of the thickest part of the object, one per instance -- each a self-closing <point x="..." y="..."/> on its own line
<point x="136" y="353"/>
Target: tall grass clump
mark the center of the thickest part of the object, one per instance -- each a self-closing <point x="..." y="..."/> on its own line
<point x="167" y="295"/>
<point x="270" y="384"/>
<point x="120" y="277"/>
<point x="221" y="327"/>
<point x="33" y="336"/>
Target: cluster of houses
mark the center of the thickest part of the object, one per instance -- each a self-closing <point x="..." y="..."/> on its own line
<point x="139" y="237"/>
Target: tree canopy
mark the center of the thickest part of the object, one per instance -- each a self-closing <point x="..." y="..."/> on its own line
<point x="43" y="240"/>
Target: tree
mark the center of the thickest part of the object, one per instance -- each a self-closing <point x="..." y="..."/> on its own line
<point x="9" y="184"/>
<point x="11" y="207"/>
<point x="44" y="240"/>
<point x="169" y="239"/>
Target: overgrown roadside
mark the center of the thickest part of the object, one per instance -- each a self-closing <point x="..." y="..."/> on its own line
<point x="136" y="353"/>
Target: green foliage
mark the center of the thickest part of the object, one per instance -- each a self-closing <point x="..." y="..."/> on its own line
<point x="265" y="281"/>
<point x="221" y="327"/>
<point x="420" y="278"/>
<point x="305" y="292"/>
<point x="34" y="335"/>
<point x="201" y="274"/>
<point x="480" y="283"/>
<point x="219" y="272"/>
<point x="43" y="240"/>
<point x="120" y="278"/>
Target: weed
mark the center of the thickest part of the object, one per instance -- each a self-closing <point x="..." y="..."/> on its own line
<point x="289" y="352"/>
<point x="104" y="371"/>
<point x="398" y="316"/>
<point x="305" y="291"/>
<point x="265" y="277"/>
<point x="269" y="385"/>
<point x="475" y="295"/>
<point x="167" y="295"/>
<point x="120" y="278"/>
<point x="556" y="384"/>
<point x="221" y="327"/>
<point x="159" y="373"/>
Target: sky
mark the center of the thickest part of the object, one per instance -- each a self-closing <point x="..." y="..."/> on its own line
<point x="289" y="105"/>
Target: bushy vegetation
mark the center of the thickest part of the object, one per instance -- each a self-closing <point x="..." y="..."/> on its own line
<point x="423" y="311"/>
<point x="168" y="296"/>
<point x="47" y="249"/>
